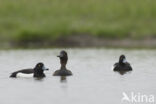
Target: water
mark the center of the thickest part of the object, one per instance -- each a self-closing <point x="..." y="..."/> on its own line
<point x="93" y="81"/>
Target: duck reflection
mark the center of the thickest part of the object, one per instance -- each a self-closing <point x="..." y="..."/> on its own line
<point x="63" y="79"/>
<point x="39" y="79"/>
<point x="123" y="72"/>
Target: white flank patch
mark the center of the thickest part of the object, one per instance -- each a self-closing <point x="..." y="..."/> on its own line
<point x="24" y="75"/>
<point x="113" y="67"/>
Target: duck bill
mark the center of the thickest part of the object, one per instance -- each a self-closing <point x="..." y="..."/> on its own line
<point x="61" y="55"/>
<point x="124" y="61"/>
<point x="44" y="68"/>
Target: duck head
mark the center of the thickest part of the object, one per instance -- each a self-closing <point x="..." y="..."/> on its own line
<point x="63" y="58"/>
<point x="122" y="59"/>
<point x="41" y="66"/>
<point x="39" y="69"/>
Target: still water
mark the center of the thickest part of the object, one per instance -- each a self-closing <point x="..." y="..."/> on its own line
<point x="93" y="81"/>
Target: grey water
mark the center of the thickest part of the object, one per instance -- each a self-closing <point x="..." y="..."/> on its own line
<point x="93" y="82"/>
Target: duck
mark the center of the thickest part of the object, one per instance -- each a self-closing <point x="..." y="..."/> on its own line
<point x="63" y="71"/>
<point x="36" y="72"/>
<point x="122" y="65"/>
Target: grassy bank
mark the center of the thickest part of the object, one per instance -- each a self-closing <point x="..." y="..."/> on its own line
<point x="48" y="20"/>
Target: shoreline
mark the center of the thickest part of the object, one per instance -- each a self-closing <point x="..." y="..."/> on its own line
<point x="84" y="41"/>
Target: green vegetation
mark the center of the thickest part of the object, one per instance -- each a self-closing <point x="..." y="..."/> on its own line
<point x="40" y="20"/>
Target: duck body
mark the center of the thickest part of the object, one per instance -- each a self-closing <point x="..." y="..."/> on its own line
<point x="61" y="72"/>
<point x="35" y="72"/>
<point x="122" y="67"/>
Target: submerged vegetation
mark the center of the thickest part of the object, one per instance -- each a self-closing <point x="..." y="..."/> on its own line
<point x="48" y="20"/>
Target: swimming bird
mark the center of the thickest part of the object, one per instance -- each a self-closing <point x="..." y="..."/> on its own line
<point x="36" y="72"/>
<point x="122" y="65"/>
<point x="63" y="61"/>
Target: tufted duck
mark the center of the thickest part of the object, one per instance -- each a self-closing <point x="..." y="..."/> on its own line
<point x="122" y="65"/>
<point x="63" y="60"/>
<point x="36" y="72"/>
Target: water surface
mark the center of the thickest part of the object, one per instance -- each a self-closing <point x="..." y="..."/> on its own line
<point x="93" y="81"/>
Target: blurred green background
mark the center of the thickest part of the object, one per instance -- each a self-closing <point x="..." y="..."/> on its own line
<point x="44" y="21"/>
